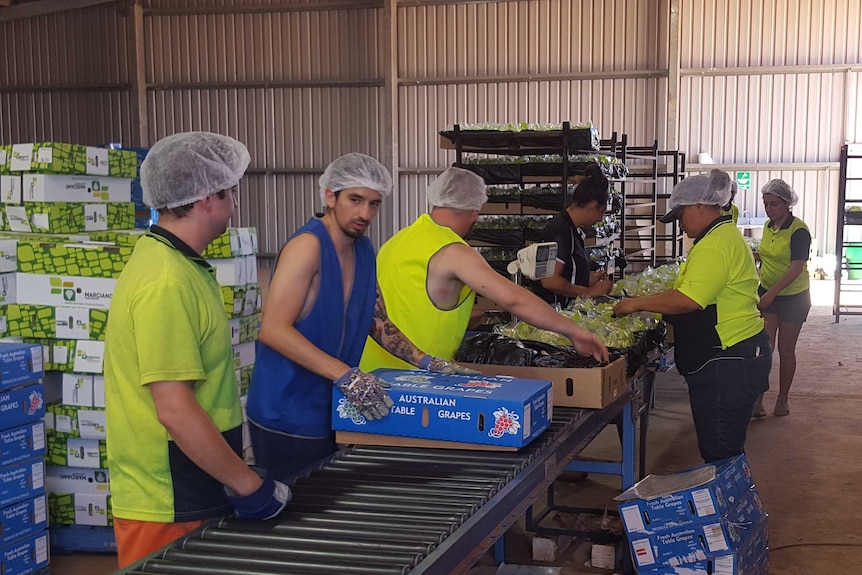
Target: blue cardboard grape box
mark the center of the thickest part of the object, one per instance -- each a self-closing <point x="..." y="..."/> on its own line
<point x="20" y="363"/>
<point x="498" y="412"/>
<point x="752" y="558"/>
<point x="22" y="443"/>
<point x="24" y="556"/>
<point x="718" y="537"/>
<point x="685" y="498"/>
<point x="21" y="405"/>
<point x="23" y="518"/>
<point x="21" y="481"/>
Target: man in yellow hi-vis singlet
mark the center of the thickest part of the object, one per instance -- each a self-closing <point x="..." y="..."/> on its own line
<point x="427" y="275"/>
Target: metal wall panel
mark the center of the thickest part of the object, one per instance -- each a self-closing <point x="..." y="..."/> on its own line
<point x="65" y="77"/>
<point x="81" y="47"/>
<point x="730" y="33"/>
<point x="264" y="47"/>
<point x="527" y="37"/>
<point x="299" y="88"/>
<point x="91" y="118"/>
<point x="228" y="5"/>
<point x="765" y="118"/>
<point x="448" y="52"/>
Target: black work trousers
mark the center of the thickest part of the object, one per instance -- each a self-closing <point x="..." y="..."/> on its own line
<point x="722" y="393"/>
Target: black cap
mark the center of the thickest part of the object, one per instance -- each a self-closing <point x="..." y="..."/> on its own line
<point x="671" y="215"/>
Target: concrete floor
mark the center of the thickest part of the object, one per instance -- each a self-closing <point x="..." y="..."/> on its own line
<point x="806" y="465"/>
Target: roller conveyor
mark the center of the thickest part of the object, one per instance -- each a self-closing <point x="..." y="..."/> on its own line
<point x="389" y="510"/>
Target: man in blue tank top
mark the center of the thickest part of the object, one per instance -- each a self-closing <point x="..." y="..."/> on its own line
<point x="322" y="303"/>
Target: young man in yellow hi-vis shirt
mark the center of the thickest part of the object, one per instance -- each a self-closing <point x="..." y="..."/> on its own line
<point x="174" y="418"/>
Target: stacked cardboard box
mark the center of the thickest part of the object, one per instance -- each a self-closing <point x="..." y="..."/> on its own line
<point x="450" y="411"/>
<point x="23" y="505"/>
<point x="67" y="188"/>
<point x="708" y="520"/>
<point x="234" y="257"/>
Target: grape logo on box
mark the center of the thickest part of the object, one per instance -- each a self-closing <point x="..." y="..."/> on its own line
<point x="347" y="410"/>
<point x="505" y="421"/>
<point x="34" y="403"/>
<point x="480" y="383"/>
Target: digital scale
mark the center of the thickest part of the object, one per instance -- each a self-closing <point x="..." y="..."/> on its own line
<point x="535" y="261"/>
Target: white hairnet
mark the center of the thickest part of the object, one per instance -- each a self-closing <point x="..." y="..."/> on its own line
<point x="184" y="168"/>
<point x="355" y="171"/>
<point x="457" y="188"/>
<point x="781" y="189"/>
<point x="711" y="190"/>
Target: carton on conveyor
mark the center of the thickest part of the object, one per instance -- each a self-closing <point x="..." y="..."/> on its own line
<point x="454" y="410"/>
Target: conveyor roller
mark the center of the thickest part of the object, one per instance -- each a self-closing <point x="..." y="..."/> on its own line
<point x="388" y="510"/>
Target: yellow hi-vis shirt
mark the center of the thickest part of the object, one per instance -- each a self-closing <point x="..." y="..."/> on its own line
<point x="779" y="248"/>
<point x="402" y="273"/>
<point x="166" y="323"/>
<point x="720" y="276"/>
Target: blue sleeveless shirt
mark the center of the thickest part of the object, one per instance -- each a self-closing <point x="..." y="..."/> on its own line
<point x="284" y="396"/>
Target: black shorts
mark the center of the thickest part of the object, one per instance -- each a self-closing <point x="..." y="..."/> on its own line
<point x="789" y="308"/>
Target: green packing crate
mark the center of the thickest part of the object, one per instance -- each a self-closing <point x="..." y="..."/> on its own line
<point x="72" y="260"/>
<point x="5" y="158"/>
<point x="49" y="157"/>
<point x="234" y="242"/>
<point x="241" y="301"/>
<point x="122" y="164"/>
<point x="70" y="217"/>
<point x="80" y="509"/>
<point x="243" y="378"/>
<point x="67" y="422"/>
<point x="68" y="452"/>
<point x="44" y="321"/>
<point x="126" y="238"/>
<point x="73" y="159"/>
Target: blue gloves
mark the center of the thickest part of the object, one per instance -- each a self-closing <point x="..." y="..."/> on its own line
<point x="267" y="502"/>
<point x="439" y="365"/>
<point x="365" y="392"/>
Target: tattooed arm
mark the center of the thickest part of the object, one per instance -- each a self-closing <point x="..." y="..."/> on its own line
<point x="390" y="338"/>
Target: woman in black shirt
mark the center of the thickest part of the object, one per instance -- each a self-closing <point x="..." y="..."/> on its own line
<point x="573" y="276"/>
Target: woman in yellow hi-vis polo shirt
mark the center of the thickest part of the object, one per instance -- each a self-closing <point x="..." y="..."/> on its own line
<point x="722" y="348"/>
<point x="784" y="296"/>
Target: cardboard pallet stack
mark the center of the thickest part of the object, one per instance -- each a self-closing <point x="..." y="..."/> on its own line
<point x="57" y="188"/>
<point x="234" y="257"/>
<point x="706" y="521"/>
<point x="24" y="546"/>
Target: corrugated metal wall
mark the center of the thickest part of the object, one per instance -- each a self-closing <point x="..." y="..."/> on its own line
<point x="65" y="77"/>
<point x="524" y="61"/>
<point x="299" y="88"/>
<point x="769" y="87"/>
<point x="772" y="88"/>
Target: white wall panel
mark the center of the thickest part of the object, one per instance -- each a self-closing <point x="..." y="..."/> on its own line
<point x="461" y="40"/>
<point x="731" y="33"/>
<point x="764" y="118"/>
